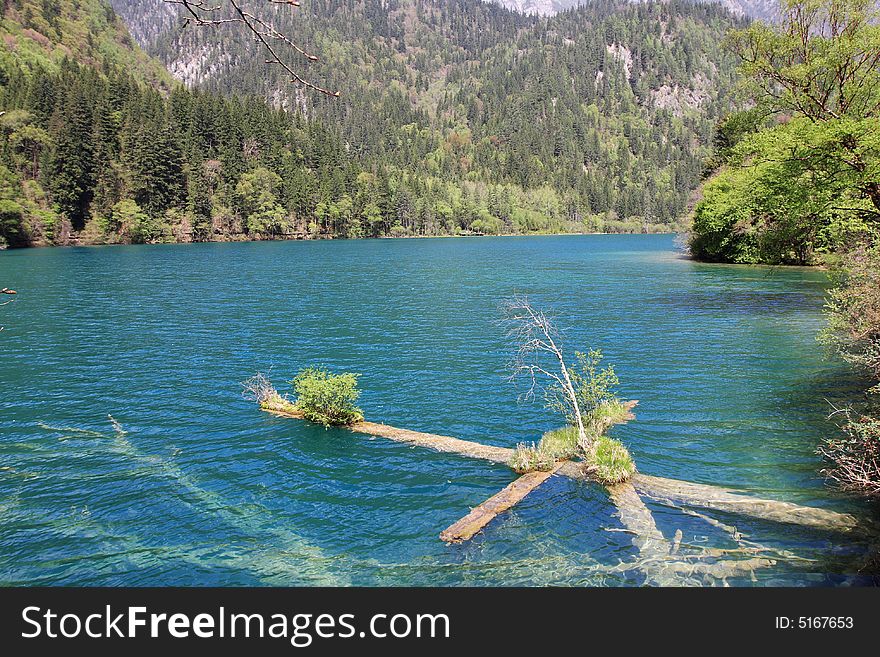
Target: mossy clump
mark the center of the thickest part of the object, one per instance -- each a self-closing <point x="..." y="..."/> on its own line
<point x="531" y="458"/>
<point x="326" y="398"/>
<point x="278" y="403"/>
<point x="607" y="414"/>
<point x="560" y="443"/>
<point x="556" y="445"/>
<point x="609" y="461"/>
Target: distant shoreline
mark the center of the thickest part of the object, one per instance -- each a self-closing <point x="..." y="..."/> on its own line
<point x="323" y="239"/>
<point x="680" y="255"/>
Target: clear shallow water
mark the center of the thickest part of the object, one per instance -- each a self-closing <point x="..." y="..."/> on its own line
<point x="206" y="489"/>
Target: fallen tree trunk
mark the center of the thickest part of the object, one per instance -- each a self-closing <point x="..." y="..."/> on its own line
<point x="722" y="499"/>
<point x="482" y="515"/>
<point x="435" y="442"/>
<point x="429" y="440"/>
<point x="658" y="488"/>
<point x="638" y="519"/>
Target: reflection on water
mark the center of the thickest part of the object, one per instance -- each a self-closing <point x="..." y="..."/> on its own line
<point x="198" y="487"/>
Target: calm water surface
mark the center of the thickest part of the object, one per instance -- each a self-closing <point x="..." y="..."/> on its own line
<point x="203" y="488"/>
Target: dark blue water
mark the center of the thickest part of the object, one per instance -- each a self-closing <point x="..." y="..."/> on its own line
<point x="203" y="488"/>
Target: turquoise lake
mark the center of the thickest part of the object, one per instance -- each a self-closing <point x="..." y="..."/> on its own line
<point x="205" y="489"/>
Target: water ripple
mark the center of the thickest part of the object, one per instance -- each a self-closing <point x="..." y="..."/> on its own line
<point x="205" y="489"/>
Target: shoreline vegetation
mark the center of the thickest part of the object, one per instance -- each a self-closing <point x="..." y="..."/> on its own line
<point x="795" y="180"/>
<point x="660" y="230"/>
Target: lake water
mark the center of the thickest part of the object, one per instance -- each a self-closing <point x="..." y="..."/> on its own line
<point x="205" y="489"/>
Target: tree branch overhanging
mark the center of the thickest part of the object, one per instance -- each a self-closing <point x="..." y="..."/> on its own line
<point x="211" y="13"/>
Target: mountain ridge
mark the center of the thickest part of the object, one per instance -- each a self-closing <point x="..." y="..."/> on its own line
<point x="767" y="10"/>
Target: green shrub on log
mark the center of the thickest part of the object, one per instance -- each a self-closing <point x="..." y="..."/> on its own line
<point x="326" y="398"/>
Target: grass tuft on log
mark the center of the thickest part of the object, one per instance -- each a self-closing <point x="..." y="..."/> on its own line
<point x="259" y="388"/>
<point x="610" y="462"/>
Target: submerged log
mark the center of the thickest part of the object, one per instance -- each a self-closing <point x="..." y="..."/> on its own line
<point x="704" y="496"/>
<point x="638" y="519"/>
<point x="429" y="440"/>
<point x="482" y="515"/>
<point x="673" y="491"/>
<point x="435" y="442"/>
<point x="658" y="488"/>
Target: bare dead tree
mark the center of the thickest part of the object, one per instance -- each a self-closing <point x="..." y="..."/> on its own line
<point x="218" y="13"/>
<point x="855" y="456"/>
<point x="539" y="358"/>
<point x="258" y="388"/>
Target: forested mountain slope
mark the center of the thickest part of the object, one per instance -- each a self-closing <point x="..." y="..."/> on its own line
<point x="762" y="9"/>
<point x="41" y="33"/>
<point x="608" y="108"/>
<point x="454" y="117"/>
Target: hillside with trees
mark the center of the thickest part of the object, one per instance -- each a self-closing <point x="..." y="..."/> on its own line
<point x="453" y="118"/>
<point x="605" y="114"/>
<point x="40" y="34"/>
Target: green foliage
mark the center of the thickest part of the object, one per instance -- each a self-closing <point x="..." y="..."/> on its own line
<point x="732" y="129"/>
<point x="593" y="385"/>
<point x="327" y="398"/>
<point x="129" y="223"/>
<point x="610" y="461"/>
<point x="41" y="34"/>
<point x="810" y="183"/>
<point x="11" y="222"/>
<point x="784" y="197"/>
<point x="821" y="62"/>
<point x="257" y="194"/>
<point x="853" y="311"/>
